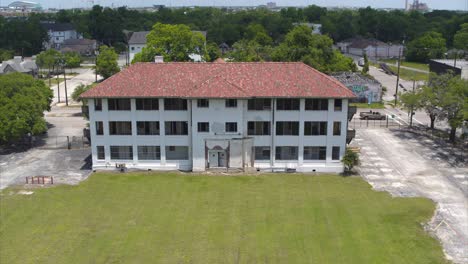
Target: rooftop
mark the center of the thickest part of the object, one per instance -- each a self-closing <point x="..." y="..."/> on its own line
<point x="220" y="80"/>
<point x="57" y="26"/>
<point x="460" y="63"/>
<point x="139" y="37"/>
<point x="353" y="77"/>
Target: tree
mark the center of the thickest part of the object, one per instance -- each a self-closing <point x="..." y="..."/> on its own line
<point x="249" y="50"/>
<point x="48" y="59"/>
<point x="106" y="62"/>
<point x="453" y="104"/>
<point x="23" y="101"/>
<point x="432" y="94"/>
<point x="350" y="159"/>
<point x="365" y="68"/>
<point x="315" y="50"/>
<point x="460" y="40"/>
<point x="258" y="33"/>
<point x="6" y="54"/>
<point x="431" y="45"/>
<point x="173" y="42"/>
<point x="212" y="52"/>
<point x="410" y="101"/>
<point x="80" y="89"/>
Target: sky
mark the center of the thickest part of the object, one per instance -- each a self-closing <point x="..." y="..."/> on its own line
<point x="433" y="4"/>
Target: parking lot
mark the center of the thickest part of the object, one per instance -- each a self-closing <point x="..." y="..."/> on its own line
<point x="405" y="163"/>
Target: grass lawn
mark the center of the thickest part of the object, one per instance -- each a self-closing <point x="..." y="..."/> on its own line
<point x="410" y="75"/>
<point x="416" y="65"/>
<point x="370" y="106"/>
<point x="176" y="218"/>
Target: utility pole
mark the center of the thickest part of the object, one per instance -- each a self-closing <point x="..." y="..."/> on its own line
<point x="412" y="106"/>
<point x="398" y="76"/>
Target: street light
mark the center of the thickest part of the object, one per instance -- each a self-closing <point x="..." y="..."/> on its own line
<point x="96" y="53"/>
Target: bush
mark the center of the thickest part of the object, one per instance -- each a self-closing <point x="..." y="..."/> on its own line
<point x="350" y="160"/>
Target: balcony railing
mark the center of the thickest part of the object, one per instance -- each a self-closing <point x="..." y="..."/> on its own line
<point x="350" y="135"/>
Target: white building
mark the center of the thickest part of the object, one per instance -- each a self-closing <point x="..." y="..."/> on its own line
<point x="138" y="41"/>
<point x="199" y="116"/>
<point x="375" y="49"/>
<point x="58" y="33"/>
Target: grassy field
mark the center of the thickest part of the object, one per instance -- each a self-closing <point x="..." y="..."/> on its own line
<point x="410" y="75"/>
<point x="370" y="106"/>
<point x="175" y="218"/>
<point x="416" y="65"/>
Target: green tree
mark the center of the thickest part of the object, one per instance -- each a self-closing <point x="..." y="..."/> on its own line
<point x="315" y="50"/>
<point x="23" y="101"/>
<point x="258" y="33"/>
<point x="460" y="40"/>
<point x="410" y="101"/>
<point x="431" y="45"/>
<point x="365" y="68"/>
<point x="454" y="104"/>
<point x="249" y="50"/>
<point x="48" y="59"/>
<point x="350" y="159"/>
<point x="212" y="52"/>
<point x="80" y="89"/>
<point x="173" y="42"/>
<point x="432" y="95"/>
<point x="106" y="62"/>
<point x="6" y="54"/>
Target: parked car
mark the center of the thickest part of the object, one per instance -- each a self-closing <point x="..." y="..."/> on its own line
<point x="372" y="115"/>
<point x="361" y="62"/>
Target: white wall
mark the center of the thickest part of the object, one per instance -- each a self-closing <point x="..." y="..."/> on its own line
<point x="217" y="114"/>
<point x="134" y="49"/>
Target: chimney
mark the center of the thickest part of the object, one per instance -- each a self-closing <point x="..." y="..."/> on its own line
<point x="158" y="59"/>
<point x="17" y="59"/>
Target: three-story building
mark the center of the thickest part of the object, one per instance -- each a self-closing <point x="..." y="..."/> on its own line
<point x="198" y="116"/>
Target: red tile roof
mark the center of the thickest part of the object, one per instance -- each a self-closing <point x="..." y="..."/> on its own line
<point x="220" y="80"/>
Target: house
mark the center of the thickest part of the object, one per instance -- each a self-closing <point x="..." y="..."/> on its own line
<point x="366" y="89"/>
<point x="138" y="41"/>
<point x="17" y="64"/>
<point x="58" y="33"/>
<point x="224" y="48"/>
<point x="200" y="116"/>
<point x="81" y="46"/>
<point x="316" y="28"/>
<point x="458" y="67"/>
<point x="375" y="49"/>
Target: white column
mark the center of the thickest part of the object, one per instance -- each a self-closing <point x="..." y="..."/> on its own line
<point x="162" y="131"/>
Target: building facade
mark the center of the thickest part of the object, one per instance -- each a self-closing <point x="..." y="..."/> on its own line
<point x="194" y="119"/>
<point x="58" y="33"/>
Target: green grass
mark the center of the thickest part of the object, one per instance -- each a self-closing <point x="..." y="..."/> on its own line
<point x="370" y="106"/>
<point x="410" y="75"/>
<point x="175" y="218"/>
<point x="53" y="81"/>
<point x="416" y="65"/>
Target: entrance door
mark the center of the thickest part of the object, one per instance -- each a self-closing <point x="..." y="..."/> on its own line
<point x="222" y="159"/>
<point x="214" y="159"/>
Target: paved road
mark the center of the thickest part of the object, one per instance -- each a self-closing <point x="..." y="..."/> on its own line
<point x="86" y="76"/>
<point x="407" y="164"/>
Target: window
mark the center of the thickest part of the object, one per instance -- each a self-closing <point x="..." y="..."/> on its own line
<point x="231" y="103"/>
<point x="231" y="127"/>
<point x="149" y="152"/>
<point x="287" y="104"/>
<point x="133" y="48"/>
<point x="120" y="128"/>
<point x="203" y="127"/>
<point x="262" y="153"/>
<point x="119" y="104"/>
<point x="176" y="128"/>
<point x="286" y="153"/>
<point x="101" y="154"/>
<point x="97" y="104"/>
<point x="147" y="128"/>
<point x="336" y="153"/>
<point x="287" y="128"/>
<point x="147" y="104"/>
<point x="99" y="128"/>
<point x="121" y="152"/>
<point x="175" y="104"/>
<point x="316" y="104"/>
<point x="338" y="104"/>
<point x="203" y="103"/>
<point x="177" y="153"/>
<point x="315" y="153"/>
<point x="315" y="128"/>
<point x="259" y="104"/>
<point x="258" y="128"/>
<point x="336" y="128"/>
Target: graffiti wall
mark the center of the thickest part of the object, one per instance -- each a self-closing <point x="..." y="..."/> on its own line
<point x="366" y="94"/>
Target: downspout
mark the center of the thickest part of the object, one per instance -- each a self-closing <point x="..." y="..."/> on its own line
<point x="273" y="126"/>
<point x="191" y="133"/>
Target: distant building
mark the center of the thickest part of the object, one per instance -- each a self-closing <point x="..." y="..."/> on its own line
<point x="271" y="5"/>
<point x="316" y="28"/>
<point x="417" y="6"/>
<point x="81" y="46"/>
<point x="366" y="89"/>
<point x="375" y="49"/>
<point x="224" y="48"/>
<point x="25" y="6"/>
<point x="17" y="64"/>
<point x="58" y="33"/>
<point x="458" y="67"/>
<point x="138" y="41"/>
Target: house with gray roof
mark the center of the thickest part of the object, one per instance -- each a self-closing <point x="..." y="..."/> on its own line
<point x="374" y="48"/>
<point x="58" y="33"/>
<point x="17" y="64"/>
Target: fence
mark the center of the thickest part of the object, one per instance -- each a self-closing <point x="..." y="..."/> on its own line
<point x="61" y="142"/>
<point x="40" y="180"/>
<point x="387" y="123"/>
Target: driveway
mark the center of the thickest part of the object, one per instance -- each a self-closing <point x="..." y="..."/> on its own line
<point x="407" y="164"/>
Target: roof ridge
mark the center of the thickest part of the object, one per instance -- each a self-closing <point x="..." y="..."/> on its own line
<point x="219" y="75"/>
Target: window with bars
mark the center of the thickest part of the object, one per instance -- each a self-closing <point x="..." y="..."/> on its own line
<point x="316" y="104"/>
<point x="120" y="128"/>
<point x="175" y="104"/>
<point x="336" y="128"/>
<point x="287" y="128"/>
<point x="147" y="128"/>
<point x="231" y="127"/>
<point x="315" y="128"/>
<point x="101" y="154"/>
<point x="231" y="103"/>
<point x="336" y="153"/>
<point x="289" y="104"/>
<point x="176" y="128"/>
<point x="97" y="104"/>
<point x="149" y="153"/>
<point x="203" y="127"/>
<point x="262" y="153"/>
<point x="286" y="153"/>
<point x="315" y="153"/>
<point x="259" y="104"/>
<point x="338" y="105"/>
<point x="121" y="152"/>
<point x="119" y="104"/>
<point x="203" y="103"/>
<point x="99" y="128"/>
<point x="150" y="104"/>
<point x="257" y="128"/>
